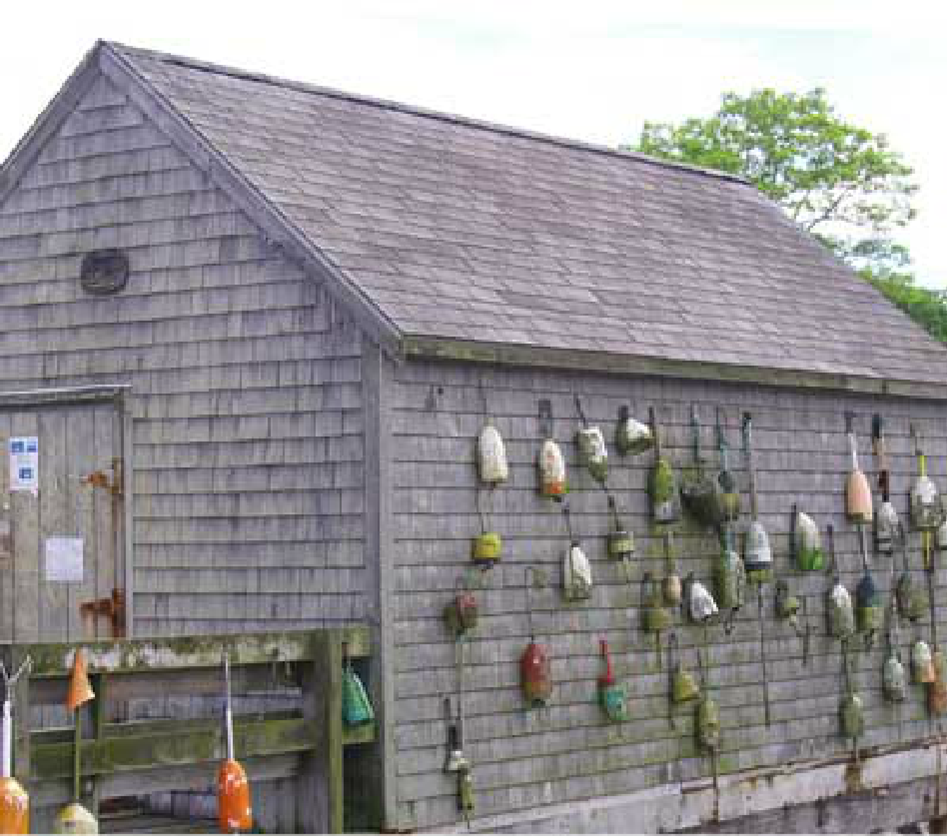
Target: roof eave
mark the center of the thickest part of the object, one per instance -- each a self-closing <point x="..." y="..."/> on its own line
<point x="442" y="348"/>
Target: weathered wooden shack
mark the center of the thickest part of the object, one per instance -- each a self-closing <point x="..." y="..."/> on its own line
<point x="249" y="332"/>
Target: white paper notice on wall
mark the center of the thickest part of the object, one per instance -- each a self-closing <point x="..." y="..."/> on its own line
<point x="64" y="559"/>
<point x="24" y="463"/>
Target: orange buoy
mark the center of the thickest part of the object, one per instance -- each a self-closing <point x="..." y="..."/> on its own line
<point x="14" y="807"/>
<point x="74" y="818"/>
<point x="234" y="813"/>
<point x="80" y="690"/>
<point x="233" y="793"/>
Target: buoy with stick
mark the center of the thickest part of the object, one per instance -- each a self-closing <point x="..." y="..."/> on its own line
<point x="14" y="801"/>
<point x="233" y="788"/>
<point x="74" y="818"/>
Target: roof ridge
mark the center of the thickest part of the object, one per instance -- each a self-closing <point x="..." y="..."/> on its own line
<point x="417" y="110"/>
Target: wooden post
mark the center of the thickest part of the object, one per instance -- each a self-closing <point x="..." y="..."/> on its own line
<point x="100" y="716"/>
<point x="333" y="721"/>
<point x="21" y="719"/>
<point x="320" y="790"/>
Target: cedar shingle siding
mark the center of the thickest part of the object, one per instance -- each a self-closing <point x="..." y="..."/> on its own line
<point x="314" y="278"/>
<point x="245" y="379"/>
<point x="568" y="752"/>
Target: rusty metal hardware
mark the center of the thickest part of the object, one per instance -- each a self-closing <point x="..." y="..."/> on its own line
<point x="113" y="484"/>
<point x="112" y="608"/>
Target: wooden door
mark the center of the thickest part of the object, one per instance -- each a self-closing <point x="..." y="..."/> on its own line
<point x="61" y="527"/>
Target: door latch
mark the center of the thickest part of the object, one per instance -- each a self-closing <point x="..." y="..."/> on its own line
<point x="101" y="479"/>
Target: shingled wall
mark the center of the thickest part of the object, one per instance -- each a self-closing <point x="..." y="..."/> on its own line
<point x="525" y="759"/>
<point x="246" y="382"/>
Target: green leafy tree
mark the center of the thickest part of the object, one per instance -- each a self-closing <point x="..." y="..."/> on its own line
<point x="838" y="181"/>
<point x="925" y="306"/>
<point x="842" y="183"/>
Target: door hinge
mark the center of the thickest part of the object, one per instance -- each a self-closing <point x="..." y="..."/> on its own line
<point x="112" y="608"/>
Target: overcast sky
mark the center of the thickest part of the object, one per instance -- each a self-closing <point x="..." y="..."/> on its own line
<point x="589" y="70"/>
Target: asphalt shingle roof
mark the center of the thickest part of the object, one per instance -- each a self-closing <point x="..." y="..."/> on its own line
<point x="462" y="230"/>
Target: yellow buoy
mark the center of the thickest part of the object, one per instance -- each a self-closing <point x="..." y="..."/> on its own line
<point x="74" y="818"/>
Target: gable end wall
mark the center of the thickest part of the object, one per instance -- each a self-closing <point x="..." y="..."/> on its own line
<point x="246" y="379"/>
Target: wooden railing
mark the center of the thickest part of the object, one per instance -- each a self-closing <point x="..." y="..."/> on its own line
<point x="122" y="758"/>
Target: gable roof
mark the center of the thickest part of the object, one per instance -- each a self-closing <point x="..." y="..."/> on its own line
<point x="458" y="238"/>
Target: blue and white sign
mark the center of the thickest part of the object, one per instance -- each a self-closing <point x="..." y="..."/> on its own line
<point x="24" y="464"/>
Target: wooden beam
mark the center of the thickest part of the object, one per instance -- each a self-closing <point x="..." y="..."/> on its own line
<point x="177" y="682"/>
<point x="172" y="747"/>
<point x="375" y="771"/>
<point x="128" y="511"/>
<point x="434" y="348"/>
<point x="351" y="735"/>
<point x="161" y="654"/>
<point x="333" y="720"/>
<point x="867" y="811"/>
<point x="320" y="788"/>
<point x="22" y="757"/>
<point x="62" y="396"/>
<point x="196" y="776"/>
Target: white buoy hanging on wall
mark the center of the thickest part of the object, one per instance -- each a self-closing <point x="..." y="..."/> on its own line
<point x="592" y="450"/>
<point x="552" y="470"/>
<point x="576" y="569"/>
<point x="553" y="482"/>
<point x="491" y="456"/>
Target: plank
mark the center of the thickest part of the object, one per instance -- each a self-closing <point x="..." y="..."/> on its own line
<point x="53" y="512"/>
<point x="25" y="513"/>
<point x="7" y="567"/>
<point x="82" y="501"/>
<point x="172" y="747"/>
<point x="320" y="791"/>
<point x="434" y="348"/>
<point x="334" y="733"/>
<point x="377" y="768"/>
<point x="22" y="756"/>
<point x="107" y="508"/>
<point x="160" y="779"/>
<point x="127" y="523"/>
<point x="100" y="711"/>
<point x="131" y="655"/>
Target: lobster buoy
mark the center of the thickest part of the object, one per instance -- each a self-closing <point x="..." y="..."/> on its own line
<point x="233" y="793"/>
<point x="552" y="471"/>
<point x="234" y="813"/>
<point x="576" y="573"/>
<point x="491" y="456"/>
<point x="922" y="663"/>
<point x="536" y="675"/>
<point x="14" y="807"/>
<point x="14" y="802"/>
<point x="74" y="818"/>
